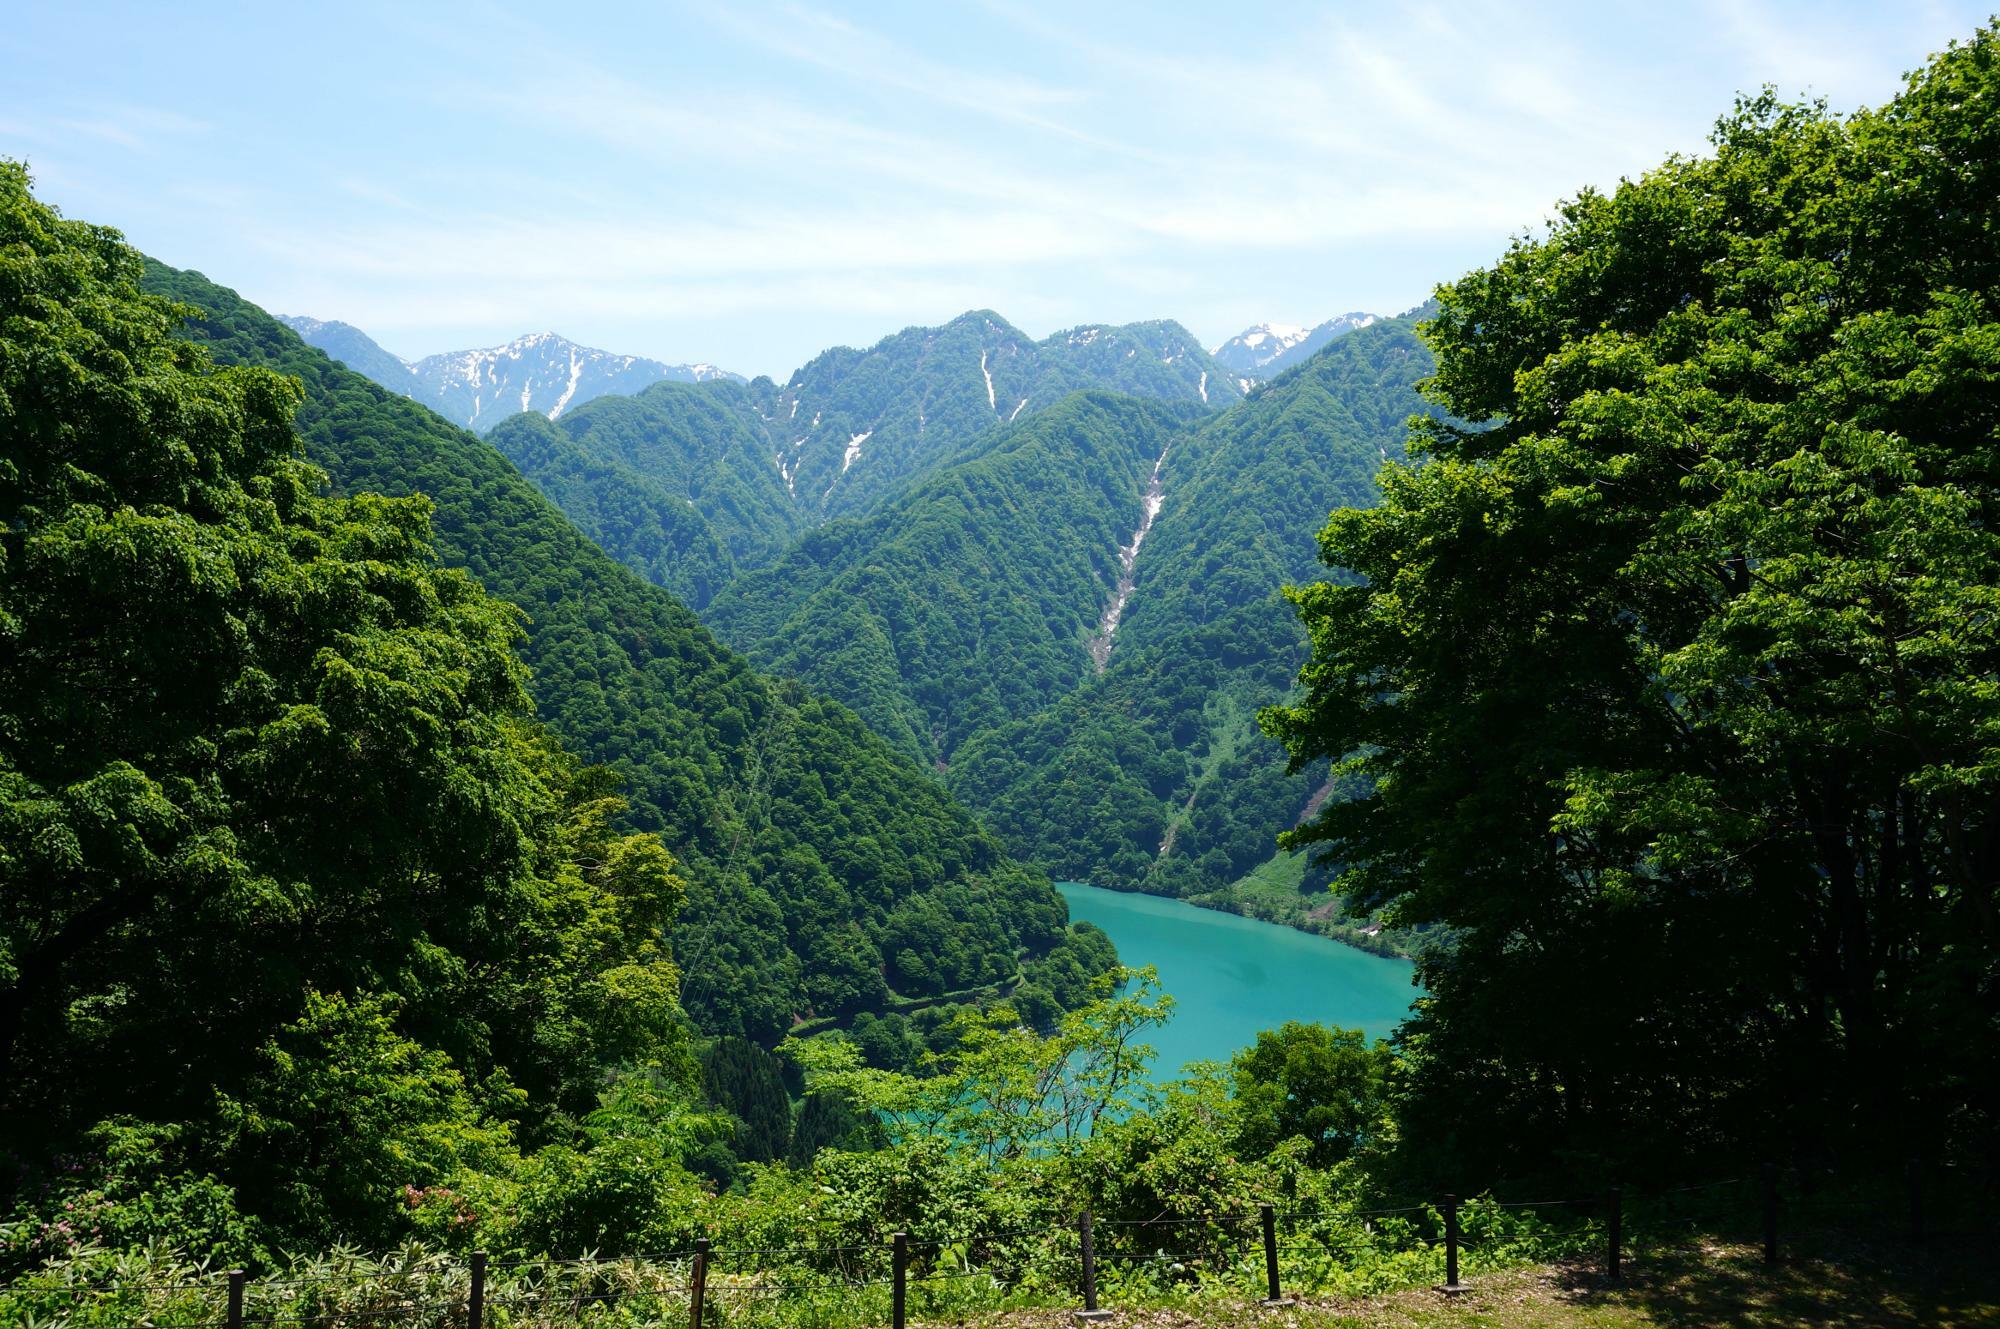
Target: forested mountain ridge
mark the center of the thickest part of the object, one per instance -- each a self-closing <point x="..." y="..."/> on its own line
<point x="540" y="372"/>
<point x="1152" y="775"/>
<point x="958" y="616"/>
<point x="676" y="482"/>
<point x="851" y="425"/>
<point x="690" y="486"/>
<point x="820" y="864"/>
<point x="970" y="597"/>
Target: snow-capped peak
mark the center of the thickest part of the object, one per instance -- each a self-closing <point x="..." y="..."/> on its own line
<point x="544" y="372"/>
<point x="1267" y="349"/>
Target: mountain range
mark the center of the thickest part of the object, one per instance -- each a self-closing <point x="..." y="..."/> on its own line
<point x="690" y="485"/>
<point x="541" y="372"/>
<point x="827" y="874"/>
<point x="1046" y="572"/>
<point x="851" y="424"/>
<point x="1067" y="609"/>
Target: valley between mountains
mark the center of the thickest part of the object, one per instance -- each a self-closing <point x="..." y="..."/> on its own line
<point x="1048" y="573"/>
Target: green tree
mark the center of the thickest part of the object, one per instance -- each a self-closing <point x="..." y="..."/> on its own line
<point x="1673" y="673"/>
<point x="285" y="864"/>
<point x="746" y="1081"/>
<point x="785" y="814"/>
<point x="345" y="1121"/>
<point x="1005" y="1090"/>
<point x="1328" y="1087"/>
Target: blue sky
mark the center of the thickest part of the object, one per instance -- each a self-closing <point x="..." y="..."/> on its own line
<point x="747" y="184"/>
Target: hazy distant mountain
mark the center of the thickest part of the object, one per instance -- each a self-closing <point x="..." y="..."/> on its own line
<point x="541" y="372"/>
<point x="1259" y="354"/>
<point x="355" y="349"/>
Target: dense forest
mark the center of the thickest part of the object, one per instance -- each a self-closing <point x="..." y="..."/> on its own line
<point x="301" y="905"/>
<point x="676" y="483"/>
<point x="1670" y="677"/>
<point x="959" y="616"/>
<point x="383" y="865"/>
<point x="971" y="597"/>
<point x="1153" y="774"/>
<point x="826" y="874"/>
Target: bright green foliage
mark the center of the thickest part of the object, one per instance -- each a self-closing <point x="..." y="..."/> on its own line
<point x="1328" y="1087"/>
<point x="1005" y="1090"/>
<point x="1676" y="685"/>
<point x="969" y="599"/>
<point x="619" y="1187"/>
<point x="804" y="838"/>
<point x="283" y="862"/>
<point x="1152" y="775"/>
<point x="677" y="483"/>
<point x="144" y="1189"/>
<point x="344" y="1118"/>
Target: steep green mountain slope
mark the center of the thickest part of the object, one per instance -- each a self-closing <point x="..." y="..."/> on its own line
<point x="850" y="426"/>
<point x="690" y="484"/>
<point x="676" y="482"/>
<point x="1152" y="774"/>
<point x="971" y="597"/>
<point x="820" y="863"/>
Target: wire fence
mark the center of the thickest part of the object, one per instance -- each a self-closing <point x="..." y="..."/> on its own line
<point x="1263" y="1252"/>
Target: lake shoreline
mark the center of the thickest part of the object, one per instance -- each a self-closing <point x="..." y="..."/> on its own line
<point x="1386" y="942"/>
<point x="1234" y="976"/>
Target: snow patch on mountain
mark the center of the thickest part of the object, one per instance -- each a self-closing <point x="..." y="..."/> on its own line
<point x="575" y="373"/>
<point x="1152" y="500"/>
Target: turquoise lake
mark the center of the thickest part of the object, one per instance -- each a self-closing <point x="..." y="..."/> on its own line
<point x="1232" y="976"/>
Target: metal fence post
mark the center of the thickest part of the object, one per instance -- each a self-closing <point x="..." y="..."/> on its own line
<point x="698" y="1293"/>
<point x="234" y="1316"/>
<point x="1770" y="1213"/>
<point x="1615" y="1221"/>
<point x="1272" y="1296"/>
<point x="475" y="1301"/>
<point x="1090" y="1311"/>
<point x="899" y="1265"/>
<point x="1452" y="1287"/>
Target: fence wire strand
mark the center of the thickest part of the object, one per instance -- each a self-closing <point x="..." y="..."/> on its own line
<point x="1216" y="1249"/>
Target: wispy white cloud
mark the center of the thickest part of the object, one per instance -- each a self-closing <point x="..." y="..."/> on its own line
<point x="136" y="128"/>
<point x="703" y="169"/>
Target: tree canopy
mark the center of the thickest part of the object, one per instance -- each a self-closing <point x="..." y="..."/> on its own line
<point x="1672" y="673"/>
<point x="297" y="903"/>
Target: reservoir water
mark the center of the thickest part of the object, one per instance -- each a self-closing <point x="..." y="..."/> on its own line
<point x="1232" y="976"/>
